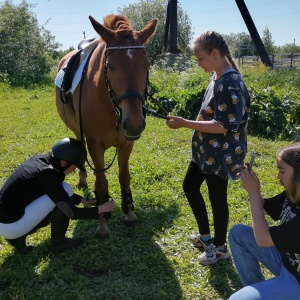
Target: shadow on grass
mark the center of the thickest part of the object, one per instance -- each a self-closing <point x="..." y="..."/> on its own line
<point x="224" y="278"/>
<point x="128" y="265"/>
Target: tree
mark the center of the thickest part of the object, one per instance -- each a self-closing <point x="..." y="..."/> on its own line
<point x="27" y="49"/>
<point x="240" y="44"/>
<point x="268" y="41"/>
<point x="289" y="48"/>
<point x="142" y="12"/>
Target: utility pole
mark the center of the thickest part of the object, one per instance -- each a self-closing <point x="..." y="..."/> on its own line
<point x="172" y="56"/>
<point x="253" y="33"/>
<point x="173" y="26"/>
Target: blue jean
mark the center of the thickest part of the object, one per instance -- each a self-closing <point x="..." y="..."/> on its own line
<point x="247" y="256"/>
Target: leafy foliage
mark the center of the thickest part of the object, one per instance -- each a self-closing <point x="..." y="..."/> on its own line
<point x="27" y="49"/>
<point x="241" y="44"/>
<point x="178" y="92"/>
<point x="289" y="48"/>
<point x="268" y="41"/>
<point x="275" y="98"/>
<point x="236" y="40"/>
<point x="142" y="12"/>
<point x="275" y="110"/>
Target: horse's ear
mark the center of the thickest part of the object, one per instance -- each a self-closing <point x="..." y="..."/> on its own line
<point x="145" y="34"/>
<point x="104" y="32"/>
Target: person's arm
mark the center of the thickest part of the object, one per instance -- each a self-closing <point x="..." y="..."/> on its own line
<point x="106" y="207"/>
<point x="51" y="184"/>
<point x="251" y="184"/>
<point x="175" y="122"/>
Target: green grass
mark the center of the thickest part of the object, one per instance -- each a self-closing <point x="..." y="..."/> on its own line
<point x="153" y="260"/>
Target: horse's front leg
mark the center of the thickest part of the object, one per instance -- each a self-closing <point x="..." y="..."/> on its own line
<point x="102" y="195"/>
<point x="101" y="186"/>
<point x="124" y="179"/>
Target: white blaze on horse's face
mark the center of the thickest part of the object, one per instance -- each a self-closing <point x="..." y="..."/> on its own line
<point x="129" y="54"/>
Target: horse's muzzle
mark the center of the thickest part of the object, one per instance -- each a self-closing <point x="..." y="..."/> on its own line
<point x="132" y="131"/>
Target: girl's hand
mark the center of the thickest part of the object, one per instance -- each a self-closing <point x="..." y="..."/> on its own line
<point x="89" y="202"/>
<point x="175" y="122"/>
<point x="106" y="207"/>
<point x="250" y="181"/>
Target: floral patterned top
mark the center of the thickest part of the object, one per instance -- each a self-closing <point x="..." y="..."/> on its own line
<point x="227" y="103"/>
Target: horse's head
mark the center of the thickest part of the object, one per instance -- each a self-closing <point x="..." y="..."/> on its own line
<point x="126" y="69"/>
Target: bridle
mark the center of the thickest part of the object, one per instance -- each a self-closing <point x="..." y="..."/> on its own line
<point x="114" y="100"/>
<point x="117" y="100"/>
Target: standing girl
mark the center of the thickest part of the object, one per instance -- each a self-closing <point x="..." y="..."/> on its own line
<point x="275" y="247"/>
<point x="219" y="143"/>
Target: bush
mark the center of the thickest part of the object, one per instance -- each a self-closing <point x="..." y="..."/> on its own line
<point x="26" y="48"/>
<point x="275" y="97"/>
<point x="273" y="116"/>
<point x="179" y="93"/>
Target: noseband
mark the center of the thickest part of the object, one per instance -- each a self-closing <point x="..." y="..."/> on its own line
<point x="116" y="100"/>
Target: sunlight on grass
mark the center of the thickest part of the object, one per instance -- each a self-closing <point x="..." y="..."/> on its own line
<point x="151" y="261"/>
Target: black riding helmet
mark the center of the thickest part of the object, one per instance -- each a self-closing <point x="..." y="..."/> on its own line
<point x="72" y="151"/>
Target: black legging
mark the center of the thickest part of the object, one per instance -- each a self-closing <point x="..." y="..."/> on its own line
<point x="217" y="191"/>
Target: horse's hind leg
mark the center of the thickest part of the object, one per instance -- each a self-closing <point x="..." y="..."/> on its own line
<point x="82" y="182"/>
<point x="124" y="179"/>
<point x="67" y="114"/>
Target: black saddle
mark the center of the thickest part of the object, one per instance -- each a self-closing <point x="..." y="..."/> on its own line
<point x="85" y="42"/>
<point x="70" y="70"/>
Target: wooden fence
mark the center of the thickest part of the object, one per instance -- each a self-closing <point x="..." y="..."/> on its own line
<point x="281" y="60"/>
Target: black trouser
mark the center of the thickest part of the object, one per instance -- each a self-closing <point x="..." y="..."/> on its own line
<point x="217" y="191"/>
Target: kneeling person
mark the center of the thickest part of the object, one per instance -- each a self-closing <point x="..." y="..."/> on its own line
<point x="35" y="195"/>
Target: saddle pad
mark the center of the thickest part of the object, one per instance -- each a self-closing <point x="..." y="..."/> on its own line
<point x="77" y="77"/>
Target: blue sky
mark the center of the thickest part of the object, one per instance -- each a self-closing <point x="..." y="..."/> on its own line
<point x="68" y="19"/>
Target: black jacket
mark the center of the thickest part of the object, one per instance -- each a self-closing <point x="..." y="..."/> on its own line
<point x="39" y="175"/>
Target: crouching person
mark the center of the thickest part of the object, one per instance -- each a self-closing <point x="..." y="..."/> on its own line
<point x="277" y="247"/>
<point x="35" y="195"/>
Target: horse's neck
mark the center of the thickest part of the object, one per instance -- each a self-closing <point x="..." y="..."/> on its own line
<point x="96" y="61"/>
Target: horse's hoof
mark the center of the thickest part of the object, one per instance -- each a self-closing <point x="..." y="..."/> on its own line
<point x="131" y="223"/>
<point x="102" y="236"/>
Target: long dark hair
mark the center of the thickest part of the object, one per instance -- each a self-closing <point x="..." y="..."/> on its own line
<point x="291" y="156"/>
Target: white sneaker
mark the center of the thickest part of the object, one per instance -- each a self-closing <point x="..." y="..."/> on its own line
<point x="212" y="255"/>
<point x="198" y="242"/>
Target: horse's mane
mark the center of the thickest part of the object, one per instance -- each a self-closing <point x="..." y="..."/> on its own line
<point x="118" y="23"/>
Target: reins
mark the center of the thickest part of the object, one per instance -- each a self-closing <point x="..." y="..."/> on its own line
<point x="102" y="170"/>
<point x="150" y="97"/>
<point x="115" y="100"/>
<point x="146" y="95"/>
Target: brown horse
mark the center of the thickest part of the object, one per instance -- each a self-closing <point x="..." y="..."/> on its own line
<point x="106" y="109"/>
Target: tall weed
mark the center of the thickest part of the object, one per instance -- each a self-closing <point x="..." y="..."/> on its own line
<point x="275" y="96"/>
